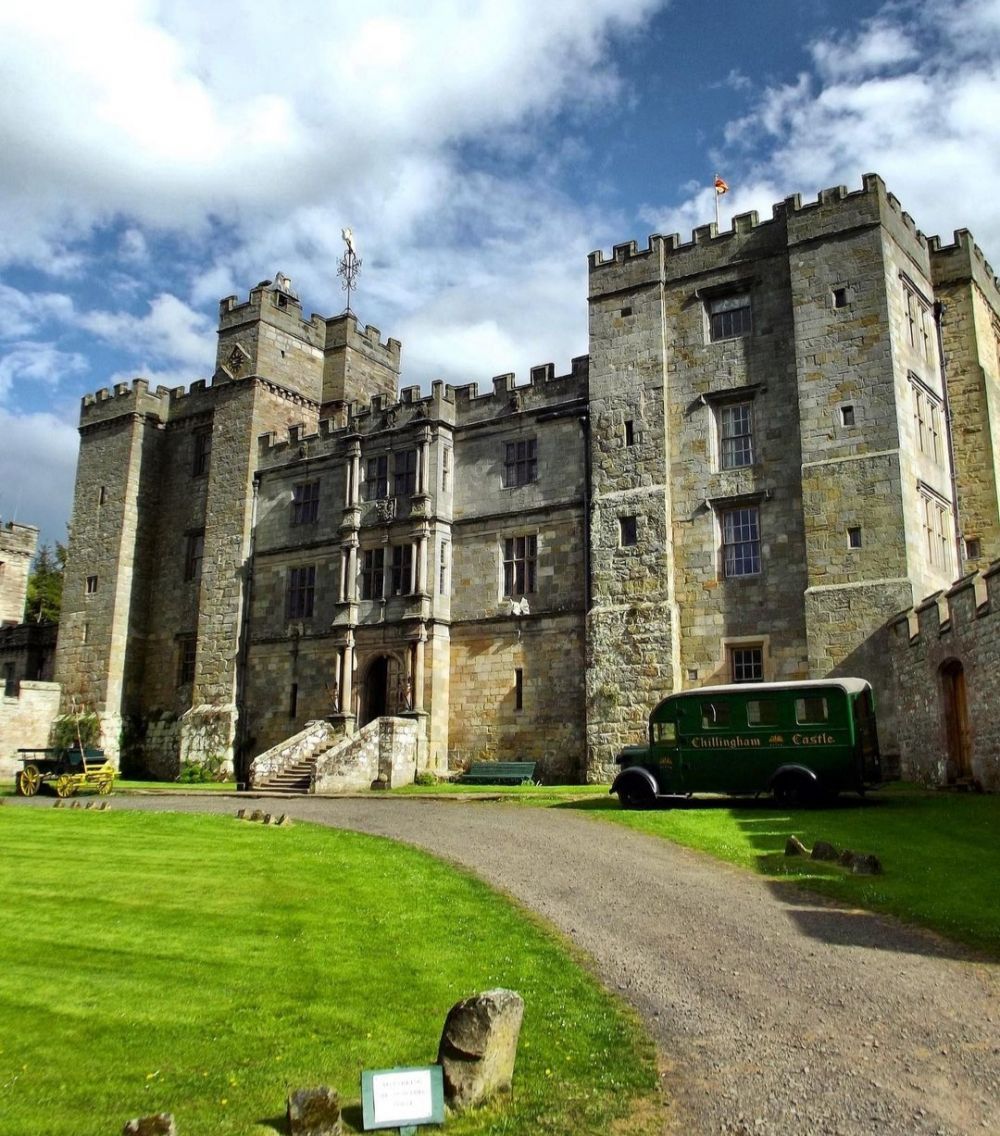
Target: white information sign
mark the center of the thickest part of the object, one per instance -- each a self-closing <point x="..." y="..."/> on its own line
<point x="402" y="1096"/>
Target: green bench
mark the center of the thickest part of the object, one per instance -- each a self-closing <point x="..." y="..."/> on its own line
<point x="499" y="772"/>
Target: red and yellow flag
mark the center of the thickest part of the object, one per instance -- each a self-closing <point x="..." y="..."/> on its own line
<point x="720" y="186"/>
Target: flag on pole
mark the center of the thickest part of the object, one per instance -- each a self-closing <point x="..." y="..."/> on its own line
<point x="720" y="186"/>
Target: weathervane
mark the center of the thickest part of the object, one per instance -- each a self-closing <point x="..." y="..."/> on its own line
<point x="349" y="266"/>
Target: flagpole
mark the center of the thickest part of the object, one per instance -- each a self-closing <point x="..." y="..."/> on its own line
<point x="715" y="190"/>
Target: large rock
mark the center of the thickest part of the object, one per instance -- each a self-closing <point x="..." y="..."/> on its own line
<point x="478" y="1047"/>
<point x="824" y="850"/>
<point x="314" y="1112"/>
<point x="160" y="1124"/>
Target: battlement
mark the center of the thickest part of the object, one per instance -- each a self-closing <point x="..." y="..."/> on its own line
<point x="17" y="538"/>
<point x="792" y="220"/>
<point x="963" y="260"/>
<point x="274" y="302"/>
<point x="544" y="389"/>
<point x="972" y="598"/>
<point x="343" y="331"/>
<point x="164" y="403"/>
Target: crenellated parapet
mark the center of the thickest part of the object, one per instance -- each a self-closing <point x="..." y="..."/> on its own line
<point x="972" y="599"/>
<point x="792" y="221"/>
<point x="962" y="261"/>
<point x="544" y="391"/>
<point x="446" y="406"/>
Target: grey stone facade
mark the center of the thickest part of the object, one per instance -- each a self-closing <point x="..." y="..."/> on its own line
<point x="748" y="475"/>
<point x="946" y="655"/>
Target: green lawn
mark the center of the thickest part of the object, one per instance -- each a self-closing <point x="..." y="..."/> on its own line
<point x="940" y="851"/>
<point x="204" y="966"/>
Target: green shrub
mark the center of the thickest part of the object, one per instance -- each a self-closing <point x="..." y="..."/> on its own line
<point x="425" y="777"/>
<point x="81" y="728"/>
<point x="201" y="772"/>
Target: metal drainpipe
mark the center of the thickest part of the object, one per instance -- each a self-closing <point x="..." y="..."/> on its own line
<point x="244" y="646"/>
<point x="960" y="559"/>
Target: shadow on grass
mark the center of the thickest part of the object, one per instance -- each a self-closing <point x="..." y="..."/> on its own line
<point x="825" y="901"/>
<point x="840" y="924"/>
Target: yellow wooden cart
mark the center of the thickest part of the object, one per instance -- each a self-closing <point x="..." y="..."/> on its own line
<point x="65" y="770"/>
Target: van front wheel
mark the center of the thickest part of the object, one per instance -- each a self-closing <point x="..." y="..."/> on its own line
<point x="636" y="793"/>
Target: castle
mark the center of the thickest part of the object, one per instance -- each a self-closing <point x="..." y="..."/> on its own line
<point x="762" y="459"/>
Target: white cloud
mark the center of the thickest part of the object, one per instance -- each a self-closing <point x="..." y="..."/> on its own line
<point x="31" y="362"/>
<point x="33" y="443"/>
<point x="24" y="312"/>
<point x="171" y="330"/>
<point x="907" y="96"/>
<point x="164" y="114"/>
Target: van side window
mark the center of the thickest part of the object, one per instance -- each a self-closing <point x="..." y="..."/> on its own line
<point x="761" y="712"/>
<point x="811" y="710"/>
<point x="665" y="733"/>
<point x="715" y="715"/>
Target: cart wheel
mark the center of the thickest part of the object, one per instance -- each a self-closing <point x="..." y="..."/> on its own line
<point x="64" y="785"/>
<point x="105" y="786"/>
<point x="29" y="781"/>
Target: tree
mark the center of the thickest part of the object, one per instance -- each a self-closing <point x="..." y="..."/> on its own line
<point x="45" y="583"/>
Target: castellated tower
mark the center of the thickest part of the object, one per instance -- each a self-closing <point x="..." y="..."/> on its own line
<point x="162" y="516"/>
<point x="17" y="547"/>
<point x="771" y="475"/>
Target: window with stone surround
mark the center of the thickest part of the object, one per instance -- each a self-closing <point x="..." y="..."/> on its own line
<point x="301" y="592"/>
<point x="9" y="680"/>
<point x="305" y="503"/>
<point x="927" y="415"/>
<point x="91" y="585"/>
<point x="740" y="541"/>
<point x="401" y="571"/>
<point x="372" y="573"/>
<point x="202" y="442"/>
<point x="936" y="523"/>
<point x="445" y="468"/>
<point x="187" y="651"/>
<point x="746" y="664"/>
<point x="377" y="478"/>
<point x="443" y="569"/>
<point x="973" y="548"/>
<point x="735" y="426"/>
<point x="919" y="320"/>
<point x="520" y="462"/>
<point x="729" y="317"/>
<point x="194" y="554"/>
<point x="853" y="536"/>
<point x="519" y="564"/>
<point x="628" y="532"/>
<point x="404" y="469"/>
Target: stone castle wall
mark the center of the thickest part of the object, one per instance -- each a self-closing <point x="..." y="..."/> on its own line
<point x="25" y="721"/>
<point x="954" y="631"/>
<point x="17" y="547"/>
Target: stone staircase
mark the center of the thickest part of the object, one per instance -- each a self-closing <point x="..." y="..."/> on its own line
<point x="319" y="759"/>
<point x="293" y="780"/>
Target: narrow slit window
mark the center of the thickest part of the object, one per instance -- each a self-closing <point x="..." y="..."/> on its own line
<point x="518" y="688"/>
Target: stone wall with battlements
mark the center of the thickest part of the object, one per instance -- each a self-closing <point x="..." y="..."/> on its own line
<point x="946" y="661"/>
<point x="18" y="544"/>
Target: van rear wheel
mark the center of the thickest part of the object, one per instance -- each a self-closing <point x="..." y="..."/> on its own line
<point x="796" y="791"/>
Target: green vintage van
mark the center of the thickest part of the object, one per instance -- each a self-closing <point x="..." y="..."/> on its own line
<point x="802" y="741"/>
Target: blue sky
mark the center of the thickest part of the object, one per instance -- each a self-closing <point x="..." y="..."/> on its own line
<point x="160" y="156"/>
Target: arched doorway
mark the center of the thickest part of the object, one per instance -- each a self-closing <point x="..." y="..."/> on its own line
<point x="384" y="689"/>
<point x="956" y="719"/>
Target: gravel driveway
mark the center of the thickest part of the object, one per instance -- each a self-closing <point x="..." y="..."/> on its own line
<point x="775" y="1012"/>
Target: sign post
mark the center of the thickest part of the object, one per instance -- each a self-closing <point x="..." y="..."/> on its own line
<point x="402" y="1098"/>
